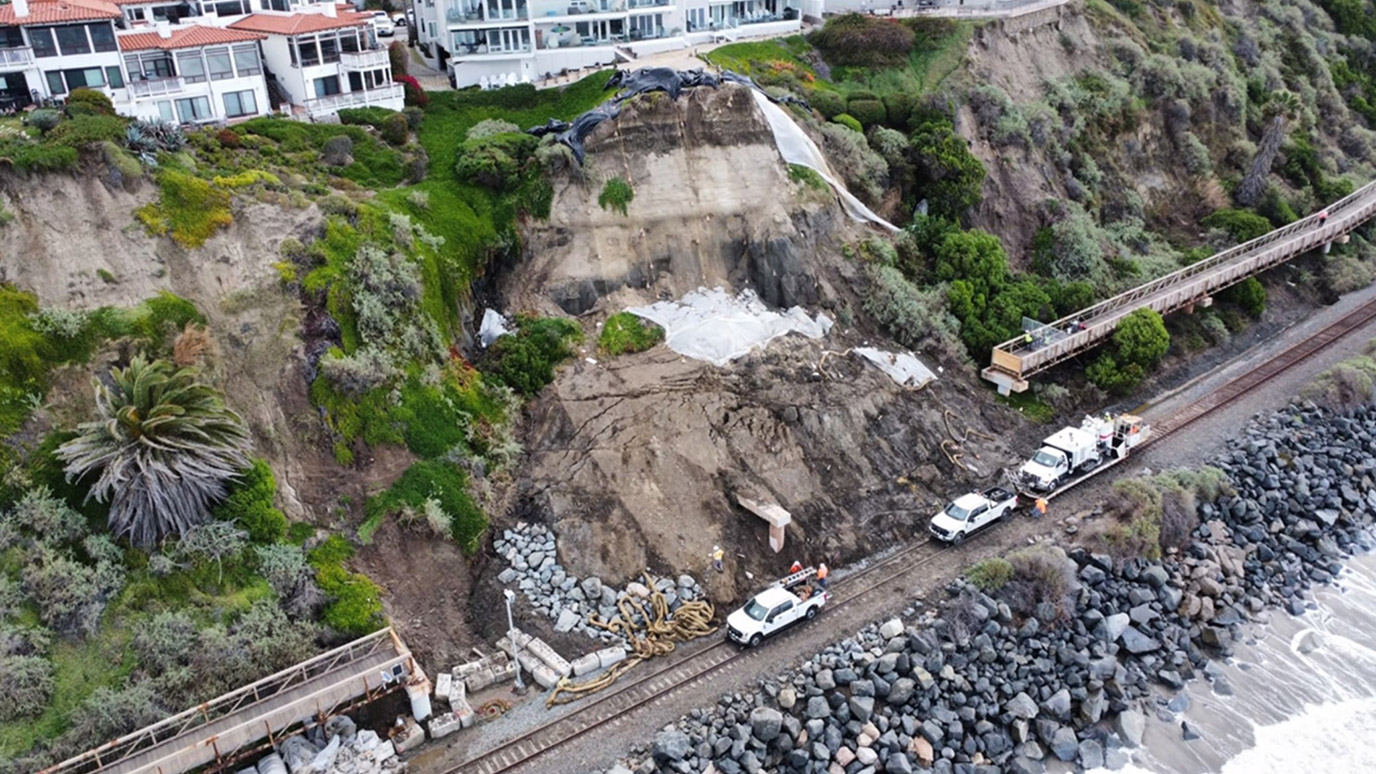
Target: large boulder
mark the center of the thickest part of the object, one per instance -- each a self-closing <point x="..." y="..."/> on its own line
<point x="1130" y="725"/>
<point x="765" y="723"/>
<point x="1137" y="643"/>
<point x="1064" y="744"/>
<point x="671" y="745"/>
<point x="1021" y="706"/>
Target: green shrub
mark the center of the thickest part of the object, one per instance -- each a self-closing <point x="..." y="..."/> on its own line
<point x="913" y="316"/>
<point x="1106" y="374"/>
<point x="372" y="115"/>
<point x="525" y="360"/>
<point x="899" y="107"/>
<point x="826" y="102"/>
<point x="396" y="129"/>
<point x="849" y="121"/>
<point x="1249" y="295"/>
<point x="948" y="175"/>
<point x="990" y="575"/>
<point x="489" y="127"/>
<point x="89" y="102"/>
<point x="1040" y="573"/>
<point x="808" y="177"/>
<point x="625" y="332"/>
<point x="355" y="606"/>
<point x="45" y="119"/>
<point x="616" y="195"/>
<point x="447" y="485"/>
<point x="495" y="162"/>
<point x="863" y="41"/>
<point x="43" y="158"/>
<point x="1141" y="338"/>
<point x="1241" y="225"/>
<point x="250" y="505"/>
<point x="869" y="112"/>
<point x="87" y="130"/>
<point x="189" y="208"/>
<point x="1349" y="383"/>
<point x="400" y="58"/>
<point x="27" y="687"/>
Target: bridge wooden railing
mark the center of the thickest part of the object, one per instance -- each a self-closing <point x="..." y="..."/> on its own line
<point x="1016" y="359"/>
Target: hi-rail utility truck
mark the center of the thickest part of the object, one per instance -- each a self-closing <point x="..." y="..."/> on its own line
<point x="787" y="601"/>
<point x="971" y="512"/>
<point x="1072" y="454"/>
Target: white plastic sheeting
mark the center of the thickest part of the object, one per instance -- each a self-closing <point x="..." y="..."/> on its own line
<point x="797" y="148"/>
<point x="717" y="327"/>
<point x="492" y="328"/>
<point x="905" y="369"/>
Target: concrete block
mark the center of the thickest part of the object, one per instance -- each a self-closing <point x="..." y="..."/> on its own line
<point x="545" y="676"/>
<point x="444" y="724"/>
<point x="412" y="737"/>
<point x="608" y="656"/>
<point x="479" y="680"/>
<point x="503" y="672"/>
<point x="465" y="714"/>
<point x="458" y="693"/>
<point x="385" y="751"/>
<point x="586" y="664"/>
<point x="444" y="683"/>
<point x="462" y="671"/>
<point x="550" y="656"/>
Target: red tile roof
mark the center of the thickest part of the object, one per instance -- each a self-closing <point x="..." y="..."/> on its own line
<point x="299" y="23"/>
<point x="57" y="11"/>
<point x="185" y="36"/>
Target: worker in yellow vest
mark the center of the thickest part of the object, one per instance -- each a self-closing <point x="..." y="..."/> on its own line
<point x="716" y="558"/>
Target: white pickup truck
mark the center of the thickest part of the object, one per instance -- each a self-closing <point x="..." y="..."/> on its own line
<point x="788" y="601"/>
<point x="972" y="512"/>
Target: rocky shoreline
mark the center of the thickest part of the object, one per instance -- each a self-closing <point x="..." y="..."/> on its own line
<point x="979" y="686"/>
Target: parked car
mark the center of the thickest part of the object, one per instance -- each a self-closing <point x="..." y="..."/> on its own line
<point x="788" y="601"/>
<point x="383" y="24"/>
<point x="972" y="512"/>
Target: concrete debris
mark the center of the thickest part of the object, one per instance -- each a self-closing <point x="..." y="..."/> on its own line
<point x="532" y="558"/>
<point x="349" y="751"/>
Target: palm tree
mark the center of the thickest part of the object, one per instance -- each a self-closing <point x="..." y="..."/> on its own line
<point x="1280" y="109"/>
<point x="164" y="447"/>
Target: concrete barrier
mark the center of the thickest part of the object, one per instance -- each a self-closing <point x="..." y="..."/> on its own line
<point x="585" y="664"/>
<point x="444" y="724"/>
<point x="608" y="656"/>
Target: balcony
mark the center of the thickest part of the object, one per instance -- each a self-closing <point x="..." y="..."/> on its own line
<point x="364" y="60"/>
<point x="391" y="92"/>
<point x="457" y="15"/>
<point x="16" y="57"/>
<point x="480" y="50"/>
<point x="643" y="4"/>
<point x="157" y="87"/>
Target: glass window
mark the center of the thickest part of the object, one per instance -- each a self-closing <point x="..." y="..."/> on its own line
<point x="11" y="37"/>
<point x="55" y="84"/>
<point x="90" y="77"/>
<point x="190" y="66"/>
<point x="193" y="109"/>
<point x="219" y="64"/>
<point x="41" y="38"/>
<point x="115" y="76"/>
<point x="165" y="110"/>
<point x="240" y="103"/>
<point x="310" y="52"/>
<point x="329" y="48"/>
<point x="246" y="59"/>
<point x="103" y="36"/>
<point x="355" y="81"/>
<point x="324" y="87"/>
<point x="348" y="41"/>
<point x="72" y="39"/>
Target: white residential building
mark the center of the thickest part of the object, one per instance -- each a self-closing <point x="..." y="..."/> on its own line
<point x="49" y="47"/>
<point x="323" y="58"/>
<point x="195" y="61"/>
<point x="503" y="41"/>
<point x="192" y="74"/>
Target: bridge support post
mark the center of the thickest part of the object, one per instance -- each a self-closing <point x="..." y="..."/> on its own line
<point x="1007" y="383"/>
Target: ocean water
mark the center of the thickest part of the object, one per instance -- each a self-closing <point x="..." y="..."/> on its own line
<point x="1303" y="695"/>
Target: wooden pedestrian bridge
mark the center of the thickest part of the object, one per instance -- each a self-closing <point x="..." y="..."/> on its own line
<point x="1043" y="346"/>
<point x="225" y="729"/>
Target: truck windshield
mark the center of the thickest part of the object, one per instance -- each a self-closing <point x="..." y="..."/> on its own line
<point x="756" y="610"/>
<point x="956" y="512"/>
<point x="1046" y="459"/>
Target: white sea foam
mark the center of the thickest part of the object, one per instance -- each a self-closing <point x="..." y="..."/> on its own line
<point x="1328" y="738"/>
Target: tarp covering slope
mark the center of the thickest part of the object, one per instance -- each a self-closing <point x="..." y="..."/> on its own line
<point x="717" y="327"/>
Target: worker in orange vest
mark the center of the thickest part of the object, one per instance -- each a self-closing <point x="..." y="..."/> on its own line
<point x="797" y="566"/>
<point x="822" y="575"/>
<point x="1039" y="509"/>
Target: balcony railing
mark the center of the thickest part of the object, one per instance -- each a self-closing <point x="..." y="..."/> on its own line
<point x="461" y="15"/>
<point x="21" y="56"/>
<point x="334" y="102"/>
<point x="157" y="87"/>
<point x="481" y="49"/>
<point x="635" y="4"/>
<point x="364" y="60"/>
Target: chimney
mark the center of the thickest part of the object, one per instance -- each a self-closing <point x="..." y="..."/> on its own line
<point x="164" y="29"/>
<point x="21" y="8"/>
<point x="330" y="9"/>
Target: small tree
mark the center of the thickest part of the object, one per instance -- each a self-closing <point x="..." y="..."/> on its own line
<point x="214" y="540"/>
<point x="26" y="686"/>
<point x="1142" y="338"/>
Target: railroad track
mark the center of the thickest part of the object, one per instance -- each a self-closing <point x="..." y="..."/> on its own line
<point x="699" y="666"/>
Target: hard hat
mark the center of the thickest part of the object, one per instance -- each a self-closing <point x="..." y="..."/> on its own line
<point x="716" y="548"/>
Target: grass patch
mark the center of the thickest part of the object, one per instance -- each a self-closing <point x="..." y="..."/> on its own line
<point x="759" y="56"/>
<point x="442" y="482"/>
<point x="1029" y="405"/>
<point x="616" y="195"/>
<point x="188" y="208"/>
<point x="625" y="332"/>
<point x="807" y="177"/>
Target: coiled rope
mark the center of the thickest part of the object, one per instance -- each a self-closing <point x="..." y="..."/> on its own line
<point x="657" y="634"/>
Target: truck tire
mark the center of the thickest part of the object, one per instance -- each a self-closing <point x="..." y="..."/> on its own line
<point x="812" y="612"/>
<point x="958" y="539"/>
<point x="756" y="640"/>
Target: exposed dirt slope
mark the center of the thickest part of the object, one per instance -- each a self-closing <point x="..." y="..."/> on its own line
<point x="637" y="460"/>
